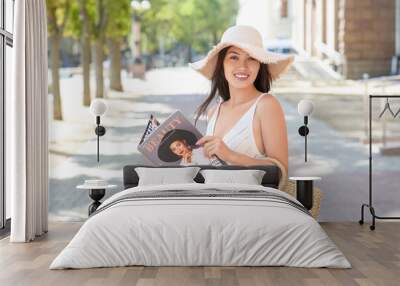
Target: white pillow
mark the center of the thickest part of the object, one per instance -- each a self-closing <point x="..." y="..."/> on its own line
<point x="163" y="176"/>
<point x="249" y="177"/>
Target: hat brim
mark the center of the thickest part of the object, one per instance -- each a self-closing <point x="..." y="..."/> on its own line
<point x="165" y="153"/>
<point x="278" y="64"/>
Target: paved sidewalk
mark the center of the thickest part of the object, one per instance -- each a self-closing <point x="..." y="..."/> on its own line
<point x="341" y="161"/>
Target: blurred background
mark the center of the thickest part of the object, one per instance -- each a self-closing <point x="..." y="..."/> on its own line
<point x="134" y="55"/>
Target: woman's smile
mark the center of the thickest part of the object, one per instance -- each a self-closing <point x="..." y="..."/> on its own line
<point x="241" y="76"/>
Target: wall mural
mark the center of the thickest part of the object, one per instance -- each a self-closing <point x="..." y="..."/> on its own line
<point x="134" y="56"/>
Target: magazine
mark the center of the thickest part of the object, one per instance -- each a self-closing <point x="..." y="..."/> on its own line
<point x="151" y="126"/>
<point x="174" y="143"/>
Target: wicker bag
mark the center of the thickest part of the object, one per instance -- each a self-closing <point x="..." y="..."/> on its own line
<point x="290" y="188"/>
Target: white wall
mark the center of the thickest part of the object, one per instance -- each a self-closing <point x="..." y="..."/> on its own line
<point x="264" y="15"/>
<point x="298" y="24"/>
<point x="331" y="24"/>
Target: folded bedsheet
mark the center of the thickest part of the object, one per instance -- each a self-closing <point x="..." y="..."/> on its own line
<point x="201" y="224"/>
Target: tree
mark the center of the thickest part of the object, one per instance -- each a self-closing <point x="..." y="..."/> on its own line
<point x="97" y="21"/>
<point x="85" y="49"/>
<point x="78" y="27"/>
<point x="57" y="15"/>
<point x="118" y="27"/>
<point x="98" y="31"/>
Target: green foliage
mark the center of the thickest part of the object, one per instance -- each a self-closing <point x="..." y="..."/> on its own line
<point x="75" y="20"/>
<point x="74" y="26"/>
<point x="119" y="18"/>
<point x="220" y="14"/>
<point x="156" y="23"/>
<point x="57" y="15"/>
<point x="196" y="23"/>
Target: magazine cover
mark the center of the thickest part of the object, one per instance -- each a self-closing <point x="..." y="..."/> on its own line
<point x="151" y="126"/>
<point x="173" y="143"/>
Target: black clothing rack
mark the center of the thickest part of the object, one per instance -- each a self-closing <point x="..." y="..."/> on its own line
<point x="369" y="205"/>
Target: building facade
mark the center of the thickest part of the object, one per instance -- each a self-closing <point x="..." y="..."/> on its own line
<point x="354" y="36"/>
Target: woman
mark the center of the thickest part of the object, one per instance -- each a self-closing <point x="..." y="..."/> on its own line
<point x="248" y="126"/>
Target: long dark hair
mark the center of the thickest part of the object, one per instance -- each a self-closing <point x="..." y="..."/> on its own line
<point x="219" y="84"/>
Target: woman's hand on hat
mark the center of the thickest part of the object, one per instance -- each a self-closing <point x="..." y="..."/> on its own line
<point x="213" y="145"/>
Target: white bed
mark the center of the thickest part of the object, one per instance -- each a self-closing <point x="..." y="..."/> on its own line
<point x="206" y="230"/>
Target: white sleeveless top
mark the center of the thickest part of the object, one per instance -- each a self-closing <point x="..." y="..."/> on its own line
<point x="240" y="138"/>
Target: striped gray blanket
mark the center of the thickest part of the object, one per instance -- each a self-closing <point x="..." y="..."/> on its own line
<point x="206" y="194"/>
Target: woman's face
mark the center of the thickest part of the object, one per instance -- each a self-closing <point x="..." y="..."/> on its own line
<point x="240" y="68"/>
<point x="179" y="147"/>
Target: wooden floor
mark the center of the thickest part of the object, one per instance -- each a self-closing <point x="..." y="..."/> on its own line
<point x="375" y="257"/>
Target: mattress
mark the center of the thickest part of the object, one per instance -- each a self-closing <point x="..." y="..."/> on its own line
<point x="201" y="225"/>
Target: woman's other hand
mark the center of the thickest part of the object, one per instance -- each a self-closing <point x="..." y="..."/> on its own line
<point x="213" y="145"/>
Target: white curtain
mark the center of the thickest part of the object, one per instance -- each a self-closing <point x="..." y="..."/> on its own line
<point x="27" y="127"/>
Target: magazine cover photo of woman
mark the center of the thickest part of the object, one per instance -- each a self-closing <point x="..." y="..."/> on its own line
<point x="179" y="145"/>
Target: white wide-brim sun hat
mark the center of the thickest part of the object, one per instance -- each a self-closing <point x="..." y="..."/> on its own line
<point x="248" y="39"/>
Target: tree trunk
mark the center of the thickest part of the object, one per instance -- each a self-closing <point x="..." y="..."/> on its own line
<point x="115" y="69"/>
<point x="99" y="56"/>
<point x="189" y="54"/>
<point x="85" y="52"/>
<point x="55" y="75"/>
<point x="85" y="58"/>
